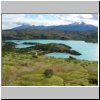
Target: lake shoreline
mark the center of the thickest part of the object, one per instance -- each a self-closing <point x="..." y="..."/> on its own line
<point x="47" y="39"/>
<point x="86" y="49"/>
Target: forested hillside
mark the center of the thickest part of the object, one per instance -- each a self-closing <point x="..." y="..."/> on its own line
<point x="88" y="36"/>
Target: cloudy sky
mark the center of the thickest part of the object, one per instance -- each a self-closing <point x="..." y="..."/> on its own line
<point x="13" y="20"/>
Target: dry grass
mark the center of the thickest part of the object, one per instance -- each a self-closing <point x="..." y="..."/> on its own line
<point x="25" y="70"/>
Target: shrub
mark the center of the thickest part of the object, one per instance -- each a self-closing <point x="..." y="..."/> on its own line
<point x="35" y="55"/>
<point x="72" y="58"/>
<point x="48" y="73"/>
<point x="93" y="81"/>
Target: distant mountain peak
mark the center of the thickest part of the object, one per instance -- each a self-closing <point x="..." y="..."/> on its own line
<point x="83" y="23"/>
<point x="78" y="23"/>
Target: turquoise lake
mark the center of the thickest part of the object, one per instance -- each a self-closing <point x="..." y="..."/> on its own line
<point x="89" y="51"/>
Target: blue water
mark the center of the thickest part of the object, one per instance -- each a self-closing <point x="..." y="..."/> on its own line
<point x="23" y="46"/>
<point x="89" y="51"/>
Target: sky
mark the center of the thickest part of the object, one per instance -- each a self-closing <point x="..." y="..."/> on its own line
<point x="10" y="21"/>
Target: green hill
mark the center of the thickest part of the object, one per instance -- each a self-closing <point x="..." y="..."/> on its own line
<point x="88" y="36"/>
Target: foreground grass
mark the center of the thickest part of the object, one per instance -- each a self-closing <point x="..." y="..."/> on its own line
<point x="22" y="69"/>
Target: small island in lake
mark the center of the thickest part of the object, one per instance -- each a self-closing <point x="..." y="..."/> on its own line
<point x="47" y="48"/>
<point x="54" y="47"/>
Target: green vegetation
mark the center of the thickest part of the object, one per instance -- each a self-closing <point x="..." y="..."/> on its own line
<point x="88" y="36"/>
<point x="53" y="47"/>
<point x="48" y="73"/>
<point x="21" y="68"/>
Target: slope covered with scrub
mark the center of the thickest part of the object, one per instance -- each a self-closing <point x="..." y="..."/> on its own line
<point x="24" y="69"/>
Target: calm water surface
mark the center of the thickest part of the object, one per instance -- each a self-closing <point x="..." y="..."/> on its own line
<point x="89" y="50"/>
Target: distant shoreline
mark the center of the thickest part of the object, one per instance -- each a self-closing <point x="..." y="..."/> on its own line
<point x="3" y="40"/>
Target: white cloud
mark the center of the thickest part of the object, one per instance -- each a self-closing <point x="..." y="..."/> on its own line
<point x="13" y="20"/>
<point x="87" y="16"/>
<point x="40" y="17"/>
<point x="9" y="20"/>
<point x="92" y="22"/>
<point x="71" y="18"/>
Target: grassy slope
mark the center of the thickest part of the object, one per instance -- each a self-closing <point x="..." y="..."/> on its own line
<point x="21" y="69"/>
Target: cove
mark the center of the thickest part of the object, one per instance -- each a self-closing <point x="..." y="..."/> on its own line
<point x="89" y="50"/>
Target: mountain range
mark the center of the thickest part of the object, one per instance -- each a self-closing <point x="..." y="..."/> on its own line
<point x="75" y="31"/>
<point x="71" y="27"/>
